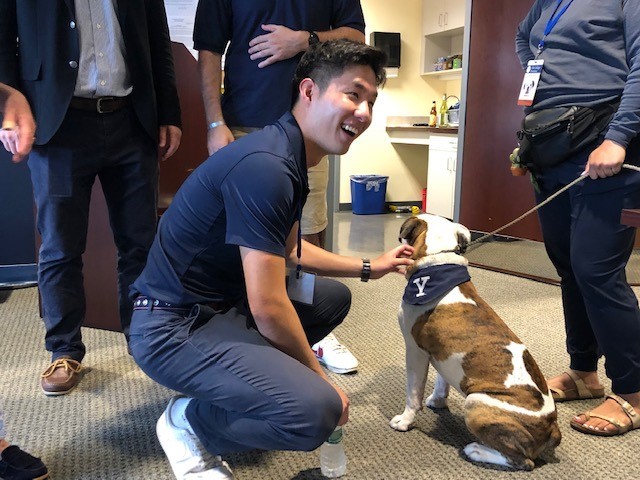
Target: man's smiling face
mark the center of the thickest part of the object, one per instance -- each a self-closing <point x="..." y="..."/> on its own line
<point x="343" y="110"/>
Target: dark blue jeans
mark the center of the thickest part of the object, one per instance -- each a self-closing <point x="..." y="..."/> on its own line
<point x="115" y="148"/>
<point x="590" y="249"/>
<point x="247" y="393"/>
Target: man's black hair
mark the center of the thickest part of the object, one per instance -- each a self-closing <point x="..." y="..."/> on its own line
<point x="327" y="60"/>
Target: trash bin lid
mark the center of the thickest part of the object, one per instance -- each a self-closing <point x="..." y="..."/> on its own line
<point x="369" y="178"/>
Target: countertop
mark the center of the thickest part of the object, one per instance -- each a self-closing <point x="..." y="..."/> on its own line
<point x="407" y="124"/>
<point x="404" y="130"/>
<point x="414" y="128"/>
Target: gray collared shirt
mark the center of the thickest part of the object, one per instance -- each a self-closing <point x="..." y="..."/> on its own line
<point x="102" y="69"/>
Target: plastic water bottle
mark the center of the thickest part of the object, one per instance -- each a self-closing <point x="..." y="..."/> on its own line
<point x="333" y="459"/>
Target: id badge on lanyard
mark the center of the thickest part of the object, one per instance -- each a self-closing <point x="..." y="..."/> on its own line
<point x="534" y="67"/>
<point x="530" y="82"/>
<point x="301" y="287"/>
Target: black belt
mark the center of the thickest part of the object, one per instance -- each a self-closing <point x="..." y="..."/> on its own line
<point x="146" y="303"/>
<point x="100" y="105"/>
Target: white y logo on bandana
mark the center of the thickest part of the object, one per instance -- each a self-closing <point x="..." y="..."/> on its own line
<point x="420" y="283"/>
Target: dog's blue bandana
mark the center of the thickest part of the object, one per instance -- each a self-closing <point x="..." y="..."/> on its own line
<point x="432" y="282"/>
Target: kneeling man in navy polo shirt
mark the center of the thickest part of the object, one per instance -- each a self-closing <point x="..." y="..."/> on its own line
<point x="216" y="317"/>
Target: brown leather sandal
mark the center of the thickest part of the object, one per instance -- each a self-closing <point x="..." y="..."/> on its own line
<point x="620" y="428"/>
<point x="581" y="392"/>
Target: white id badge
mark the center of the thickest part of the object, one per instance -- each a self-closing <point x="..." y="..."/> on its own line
<point x="530" y="82"/>
<point x="301" y="289"/>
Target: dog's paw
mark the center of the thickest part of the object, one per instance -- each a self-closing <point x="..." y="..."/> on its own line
<point x="436" y="402"/>
<point x="474" y="450"/>
<point x="480" y="453"/>
<point x="403" y="422"/>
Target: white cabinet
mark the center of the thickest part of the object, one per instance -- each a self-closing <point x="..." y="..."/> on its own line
<point x="442" y="34"/>
<point x="441" y="176"/>
<point x="442" y="15"/>
<point x="432" y="16"/>
<point x="454" y="14"/>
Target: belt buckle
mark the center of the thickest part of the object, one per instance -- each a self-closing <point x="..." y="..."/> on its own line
<point x="99" y="107"/>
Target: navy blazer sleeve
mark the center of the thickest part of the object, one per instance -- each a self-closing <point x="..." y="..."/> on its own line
<point x="162" y="65"/>
<point x="8" y="43"/>
<point x="150" y="63"/>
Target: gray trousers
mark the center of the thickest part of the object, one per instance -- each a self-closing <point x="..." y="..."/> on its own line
<point x="247" y="393"/>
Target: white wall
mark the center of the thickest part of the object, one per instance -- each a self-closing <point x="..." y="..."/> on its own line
<point x="407" y="95"/>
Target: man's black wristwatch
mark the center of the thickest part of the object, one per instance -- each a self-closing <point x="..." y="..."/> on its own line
<point x="365" y="274"/>
<point x="313" y="38"/>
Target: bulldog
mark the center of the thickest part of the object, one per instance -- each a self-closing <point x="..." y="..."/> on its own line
<point x="508" y="406"/>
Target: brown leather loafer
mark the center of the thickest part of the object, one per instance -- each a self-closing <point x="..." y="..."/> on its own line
<point x="61" y="377"/>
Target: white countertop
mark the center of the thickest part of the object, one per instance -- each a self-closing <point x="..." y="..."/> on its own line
<point x="402" y="129"/>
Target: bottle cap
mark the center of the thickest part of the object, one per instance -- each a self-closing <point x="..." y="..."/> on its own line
<point x="336" y="436"/>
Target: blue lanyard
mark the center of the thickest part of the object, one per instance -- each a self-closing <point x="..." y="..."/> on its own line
<point x="552" y="23"/>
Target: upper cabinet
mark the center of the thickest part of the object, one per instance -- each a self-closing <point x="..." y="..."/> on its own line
<point x="442" y="34"/>
<point x="442" y="15"/>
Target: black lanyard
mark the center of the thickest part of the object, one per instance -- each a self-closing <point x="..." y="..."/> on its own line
<point x="299" y="251"/>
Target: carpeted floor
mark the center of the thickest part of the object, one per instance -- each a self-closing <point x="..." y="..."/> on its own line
<point x="105" y="429"/>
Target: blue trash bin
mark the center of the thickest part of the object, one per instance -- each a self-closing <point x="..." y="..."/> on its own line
<point x="368" y="194"/>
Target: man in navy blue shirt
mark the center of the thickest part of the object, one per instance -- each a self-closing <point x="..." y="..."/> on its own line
<point x="212" y="315"/>
<point x="265" y="40"/>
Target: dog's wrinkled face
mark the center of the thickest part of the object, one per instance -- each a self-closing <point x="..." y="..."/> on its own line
<point x="430" y="234"/>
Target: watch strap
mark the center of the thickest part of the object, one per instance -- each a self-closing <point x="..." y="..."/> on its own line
<point x="313" y="38"/>
<point x="365" y="274"/>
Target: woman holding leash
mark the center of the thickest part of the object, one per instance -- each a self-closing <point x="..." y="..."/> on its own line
<point x="587" y="54"/>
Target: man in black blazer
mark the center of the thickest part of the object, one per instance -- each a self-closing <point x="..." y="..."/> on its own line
<point x="100" y="80"/>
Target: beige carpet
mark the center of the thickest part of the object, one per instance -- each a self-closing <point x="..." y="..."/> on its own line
<point x="105" y="429"/>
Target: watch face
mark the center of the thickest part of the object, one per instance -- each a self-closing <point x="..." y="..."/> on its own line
<point x="313" y="38"/>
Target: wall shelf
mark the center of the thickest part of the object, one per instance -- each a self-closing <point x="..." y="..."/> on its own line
<point x="451" y="74"/>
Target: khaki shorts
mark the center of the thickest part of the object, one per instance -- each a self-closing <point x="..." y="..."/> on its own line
<point x="314" y="213"/>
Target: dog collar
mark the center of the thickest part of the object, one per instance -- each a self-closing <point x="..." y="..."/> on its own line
<point x="432" y="282"/>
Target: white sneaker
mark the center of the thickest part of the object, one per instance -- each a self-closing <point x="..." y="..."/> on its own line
<point x="335" y="356"/>
<point x="188" y="458"/>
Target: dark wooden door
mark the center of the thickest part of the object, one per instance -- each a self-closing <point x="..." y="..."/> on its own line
<point x="490" y="195"/>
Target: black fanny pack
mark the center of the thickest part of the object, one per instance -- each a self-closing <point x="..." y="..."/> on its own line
<point x="550" y="136"/>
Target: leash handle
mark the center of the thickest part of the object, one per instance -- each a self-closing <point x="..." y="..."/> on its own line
<point x="529" y="212"/>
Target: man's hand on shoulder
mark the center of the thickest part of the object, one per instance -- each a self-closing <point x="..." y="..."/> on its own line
<point x="280" y="43"/>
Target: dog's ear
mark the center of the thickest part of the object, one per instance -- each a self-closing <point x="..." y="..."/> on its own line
<point x="414" y="232"/>
<point x="420" y="245"/>
<point x="411" y="230"/>
<point x="464" y="238"/>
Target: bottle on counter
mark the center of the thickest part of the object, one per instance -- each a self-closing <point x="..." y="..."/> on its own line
<point x="443" y="117"/>
<point x="433" y="115"/>
<point x="333" y="459"/>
